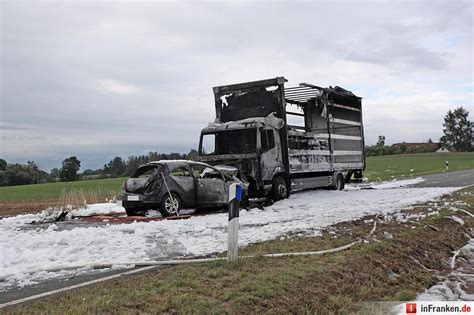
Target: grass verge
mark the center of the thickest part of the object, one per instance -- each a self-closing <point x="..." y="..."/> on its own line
<point x="397" y="166"/>
<point x="393" y="266"/>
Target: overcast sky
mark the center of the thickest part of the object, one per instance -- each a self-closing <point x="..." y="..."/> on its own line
<point x="99" y="80"/>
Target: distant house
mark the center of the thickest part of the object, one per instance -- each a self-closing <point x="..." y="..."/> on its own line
<point x="442" y="150"/>
<point x="414" y="145"/>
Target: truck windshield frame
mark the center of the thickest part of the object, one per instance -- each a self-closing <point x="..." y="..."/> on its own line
<point x="233" y="141"/>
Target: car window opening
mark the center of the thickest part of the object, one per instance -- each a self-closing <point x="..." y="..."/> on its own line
<point x="180" y="171"/>
<point x="145" y="171"/>
<point x="200" y="171"/>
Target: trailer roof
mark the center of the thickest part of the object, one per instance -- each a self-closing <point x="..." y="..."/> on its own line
<point x="304" y="92"/>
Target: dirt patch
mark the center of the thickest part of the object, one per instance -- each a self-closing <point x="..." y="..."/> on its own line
<point x="8" y="208"/>
<point x="74" y="198"/>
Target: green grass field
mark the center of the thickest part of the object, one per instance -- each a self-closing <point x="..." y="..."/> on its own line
<point x="378" y="168"/>
<point x="103" y="187"/>
<point x="396" y="166"/>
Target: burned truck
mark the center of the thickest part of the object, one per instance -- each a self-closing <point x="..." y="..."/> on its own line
<point x="286" y="139"/>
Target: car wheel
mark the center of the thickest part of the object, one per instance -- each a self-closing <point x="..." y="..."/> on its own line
<point x="170" y="205"/>
<point x="339" y="183"/>
<point x="279" y="189"/>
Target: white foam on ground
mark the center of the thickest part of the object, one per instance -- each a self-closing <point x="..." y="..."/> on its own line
<point x="50" y="214"/>
<point x="27" y="250"/>
<point x="98" y="208"/>
<point x="395" y="183"/>
<point x="458" y="284"/>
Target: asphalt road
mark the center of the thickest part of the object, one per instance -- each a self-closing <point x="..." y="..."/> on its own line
<point x="54" y="284"/>
<point x="447" y="179"/>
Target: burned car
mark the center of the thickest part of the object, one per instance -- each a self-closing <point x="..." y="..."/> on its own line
<point x="170" y="186"/>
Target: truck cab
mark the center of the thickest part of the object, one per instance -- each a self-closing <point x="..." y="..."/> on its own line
<point x="253" y="146"/>
<point x="251" y="132"/>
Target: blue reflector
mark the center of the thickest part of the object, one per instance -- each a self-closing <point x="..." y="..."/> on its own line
<point x="238" y="193"/>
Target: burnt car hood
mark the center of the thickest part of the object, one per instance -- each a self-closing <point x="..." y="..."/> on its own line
<point x="227" y="169"/>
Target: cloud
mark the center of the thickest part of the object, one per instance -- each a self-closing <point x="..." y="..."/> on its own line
<point x="10" y="127"/>
<point x="117" y="78"/>
<point x="116" y="87"/>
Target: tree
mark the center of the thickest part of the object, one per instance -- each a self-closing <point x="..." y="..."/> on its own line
<point x="69" y="169"/>
<point x="33" y="170"/>
<point x="134" y="162"/>
<point x="89" y="172"/>
<point x="3" y="165"/>
<point x="457" y="130"/>
<point x="192" y="155"/>
<point x="403" y="147"/>
<point x="381" y="141"/>
<point x="54" y="173"/>
<point x="115" y="167"/>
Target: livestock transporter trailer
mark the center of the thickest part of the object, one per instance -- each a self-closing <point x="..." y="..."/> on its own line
<point x="283" y="139"/>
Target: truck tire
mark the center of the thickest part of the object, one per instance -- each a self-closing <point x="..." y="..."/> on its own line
<point x="166" y="208"/>
<point x="279" y="189"/>
<point x="339" y="184"/>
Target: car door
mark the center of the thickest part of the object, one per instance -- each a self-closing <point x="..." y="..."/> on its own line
<point x="185" y="181"/>
<point x="211" y="188"/>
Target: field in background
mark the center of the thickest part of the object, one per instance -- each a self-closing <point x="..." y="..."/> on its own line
<point x="396" y="166"/>
<point x="103" y="187"/>
<point x="32" y="198"/>
<point x="378" y="168"/>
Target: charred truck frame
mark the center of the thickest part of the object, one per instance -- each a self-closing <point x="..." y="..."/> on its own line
<point x="252" y="133"/>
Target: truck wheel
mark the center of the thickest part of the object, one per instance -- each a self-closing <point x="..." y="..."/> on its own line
<point x="279" y="189"/>
<point x="170" y="205"/>
<point x="339" y="183"/>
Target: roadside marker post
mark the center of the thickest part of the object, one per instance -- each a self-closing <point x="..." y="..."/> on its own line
<point x="235" y="196"/>
<point x="447" y="165"/>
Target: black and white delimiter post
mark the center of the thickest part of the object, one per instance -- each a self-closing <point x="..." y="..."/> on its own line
<point x="235" y="196"/>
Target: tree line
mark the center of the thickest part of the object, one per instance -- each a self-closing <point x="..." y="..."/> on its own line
<point x="19" y="174"/>
<point x="30" y="173"/>
<point x="118" y="167"/>
<point x="457" y="136"/>
<point x="402" y="148"/>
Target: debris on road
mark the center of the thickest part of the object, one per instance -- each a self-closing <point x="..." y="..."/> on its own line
<point x="130" y="219"/>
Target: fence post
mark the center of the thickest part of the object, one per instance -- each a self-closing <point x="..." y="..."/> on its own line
<point x="235" y="196"/>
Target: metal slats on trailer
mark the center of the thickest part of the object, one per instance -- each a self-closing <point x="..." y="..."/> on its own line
<point x="342" y="128"/>
<point x="300" y="95"/>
